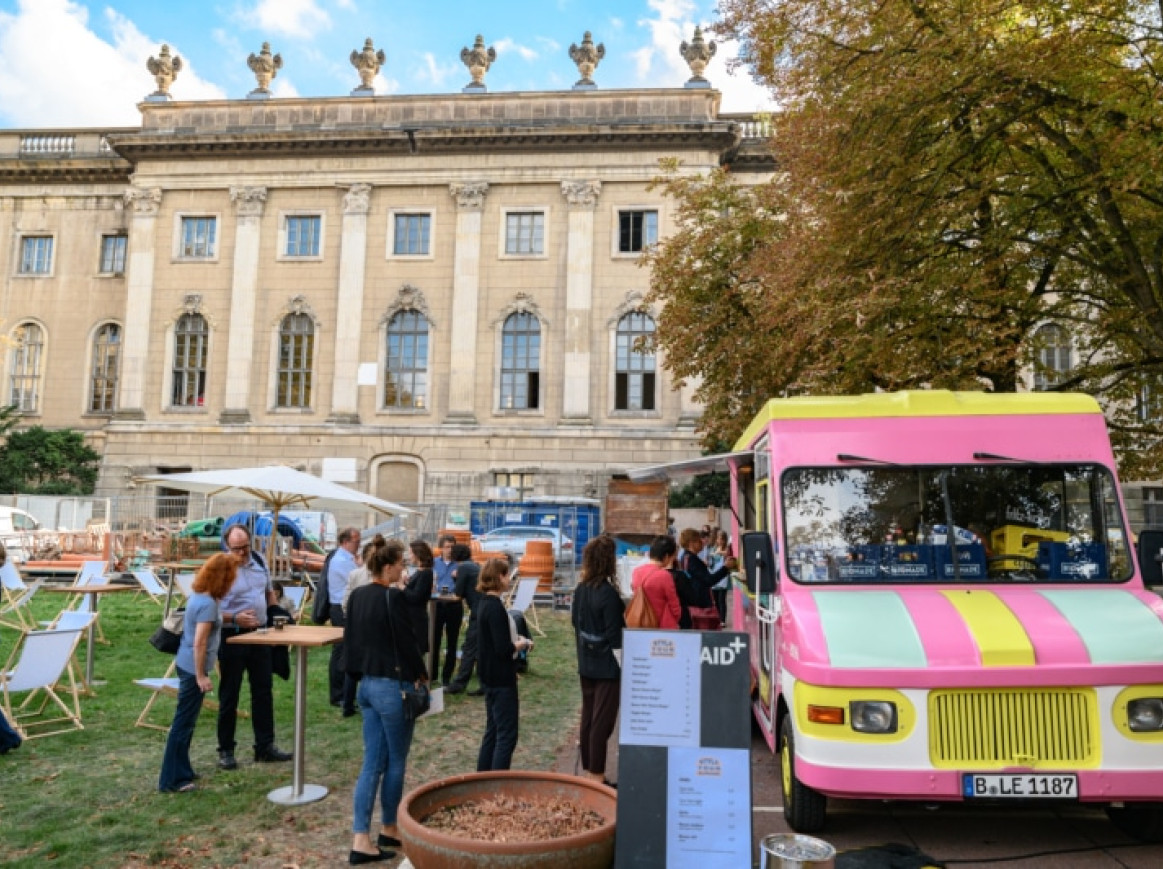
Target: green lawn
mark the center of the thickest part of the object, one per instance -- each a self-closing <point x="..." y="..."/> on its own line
<point x="89" y="798"/>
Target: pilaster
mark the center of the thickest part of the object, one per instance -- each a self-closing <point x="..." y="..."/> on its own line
<point x="470" y="202"/>
<point x="144" y="204"/>
<point x="249" y="203"/>
<point x="581" y="197"/>
<point x="349" y="304"/>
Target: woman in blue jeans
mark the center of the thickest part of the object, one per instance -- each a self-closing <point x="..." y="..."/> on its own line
<point x="382" y="650"/>
<point x="498" y="645"/>
<point x="201" y="634"/>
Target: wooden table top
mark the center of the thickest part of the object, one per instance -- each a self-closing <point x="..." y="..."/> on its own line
<point x="291" y="635"/>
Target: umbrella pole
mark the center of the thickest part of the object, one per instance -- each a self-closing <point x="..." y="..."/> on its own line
<point x="271" y="540"/>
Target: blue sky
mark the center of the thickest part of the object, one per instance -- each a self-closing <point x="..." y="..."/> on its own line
<point x="81" y="63"/>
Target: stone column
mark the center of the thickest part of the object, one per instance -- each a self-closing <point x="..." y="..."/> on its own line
<point x="349" y="305"/>
<point x="145" y="203"/>
<point x="470" y="203"/>
<point x="581" y="197"/>
<point x="248" y="203"/>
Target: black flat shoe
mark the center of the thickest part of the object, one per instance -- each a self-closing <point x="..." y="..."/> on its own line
<point x="358" y="858"/>
<point x="385" y="841"/>
<point x="271" y="754"/>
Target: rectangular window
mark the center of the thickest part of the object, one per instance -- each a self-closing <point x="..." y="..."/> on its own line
<point x="199" y="237"/>
<point x="525" y="232"/>
<point x="412" y="233"/>
<point x="1153" y="506"/>
<point x="36" y="255"/>
<point x="634" y="390"/>
<point x="636" y="230"/>
<point x="523" y="483"/>
<point x="303" y="235"/>
<point x="113" y="254"/>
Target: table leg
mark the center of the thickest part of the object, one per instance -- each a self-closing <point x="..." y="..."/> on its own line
<point x="299" y="793"/>
<point x="92" y="598"/>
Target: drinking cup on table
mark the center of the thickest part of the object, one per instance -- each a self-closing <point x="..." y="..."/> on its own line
<point x="280" y="622"/>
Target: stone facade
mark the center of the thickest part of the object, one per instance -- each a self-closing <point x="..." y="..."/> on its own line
<point x="252" y="219"/>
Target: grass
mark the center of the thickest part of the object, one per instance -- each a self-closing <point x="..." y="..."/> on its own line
<point x="89" y="798"/>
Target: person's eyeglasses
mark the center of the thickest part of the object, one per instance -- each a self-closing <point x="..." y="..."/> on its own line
<point x="241" y="550"/>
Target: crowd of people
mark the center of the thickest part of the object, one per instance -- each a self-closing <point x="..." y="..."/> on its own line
<point x="383" y="609"/>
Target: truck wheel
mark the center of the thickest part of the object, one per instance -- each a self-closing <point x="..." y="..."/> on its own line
<point x="1142" y="821"/>
<point x="803" y="808"/>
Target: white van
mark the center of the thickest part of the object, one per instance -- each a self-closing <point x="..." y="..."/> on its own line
<point x="317" y="525"/>
<point x="15" y="526"/>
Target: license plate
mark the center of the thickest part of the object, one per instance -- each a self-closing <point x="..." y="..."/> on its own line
<point x="1022" y="786"/>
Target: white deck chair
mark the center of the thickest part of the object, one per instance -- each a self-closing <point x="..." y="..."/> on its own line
<point x="15" y="612"/>
<point x="91" y="573"/>
<point x="40" y="670"/>
<point x="168" y="685"/>
<point x="522" y="601"/>
<point x="185" y="584"/>
<point x="80" y="619"/>
<point x="150" y="585"/>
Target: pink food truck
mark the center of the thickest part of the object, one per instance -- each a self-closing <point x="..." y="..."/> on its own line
<point x="945" y="604"/>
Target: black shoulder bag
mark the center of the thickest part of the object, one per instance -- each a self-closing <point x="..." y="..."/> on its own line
<point x="415" y="695"/>
<point x="321" y="608"/>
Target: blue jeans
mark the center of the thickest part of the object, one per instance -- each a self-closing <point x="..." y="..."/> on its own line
<point x="387" y="736"/>
<point x="176" y="768"/>
<point x="501" y="710"/>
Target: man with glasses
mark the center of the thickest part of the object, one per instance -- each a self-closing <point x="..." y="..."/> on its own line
<point x="244" y="609"/>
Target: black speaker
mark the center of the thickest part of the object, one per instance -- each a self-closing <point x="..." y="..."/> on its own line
<point x="759" y="562"/>
<point x="1151" y="556"/>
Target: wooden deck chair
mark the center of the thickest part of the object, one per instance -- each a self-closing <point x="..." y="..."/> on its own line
<point x="40" y="667"/>
<point x="15" y="611"/>
<point x="185" y="584"/>
<point x="75" y="620"/>
<point x="166" y="684"/>
<point x="296" y="594"/>
<point x="151" y="586"/>
<point x="522" y="601"/>
<point x="91" y="573"/>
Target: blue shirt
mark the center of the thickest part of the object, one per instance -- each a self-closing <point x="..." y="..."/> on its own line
<point x="200" y="608"/>
<point x="443" y="572"/>
<point x="342" y="564"/>
<point x="249" y="591"/>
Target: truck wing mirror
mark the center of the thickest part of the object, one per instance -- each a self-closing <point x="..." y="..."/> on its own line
<point x="759" y="562"/>
<point x="1151" y="556"/>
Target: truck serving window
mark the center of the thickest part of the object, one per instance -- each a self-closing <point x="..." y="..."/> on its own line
<point x="1011" y="522"/>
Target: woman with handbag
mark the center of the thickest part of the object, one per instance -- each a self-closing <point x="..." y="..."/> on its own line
<point x="197" y="653"/>
<point x="597" y="612"/>
<point x="382" y="649"/>
<point x="499" y="644"/>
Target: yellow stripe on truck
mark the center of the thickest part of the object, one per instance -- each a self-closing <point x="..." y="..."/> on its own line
<point x="1000" y="637"/>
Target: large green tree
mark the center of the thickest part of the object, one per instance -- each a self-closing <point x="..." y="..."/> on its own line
<point x="40" y="461"/>
<point x="952" y="175"/>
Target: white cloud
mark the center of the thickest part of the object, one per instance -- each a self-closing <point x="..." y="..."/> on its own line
<point x="283" y="87"/>
<point x="504" y="46"/>
<point x="298" y="19"/>
<point x="384" y="85"/>
<point x="617" y="23"/>
<point x="432" y="72"/>
<point x="100" y="84"/>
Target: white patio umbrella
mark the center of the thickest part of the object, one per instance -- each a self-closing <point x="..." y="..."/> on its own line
<point x="279" y="486"/>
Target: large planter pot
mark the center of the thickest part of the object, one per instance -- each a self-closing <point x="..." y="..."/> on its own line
<point x="430" y="849"/>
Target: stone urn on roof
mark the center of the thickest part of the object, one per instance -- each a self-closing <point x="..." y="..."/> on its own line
<point x="587" y="56"/>
<point x="478" y="59"/>
<point x="697" y="53"/>
<point x="164" y="68"/>
<point x="265" y="67"/>
<point x="367" y="63"/>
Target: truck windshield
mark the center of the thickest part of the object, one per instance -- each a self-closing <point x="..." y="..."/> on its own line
<point x="959" y="523"/>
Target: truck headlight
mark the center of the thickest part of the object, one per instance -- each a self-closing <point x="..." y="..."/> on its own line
<point x="1145" y="714"/>
<point x="873" y="716"/>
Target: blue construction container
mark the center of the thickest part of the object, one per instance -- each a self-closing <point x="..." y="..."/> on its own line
<point x="578" y="518"/>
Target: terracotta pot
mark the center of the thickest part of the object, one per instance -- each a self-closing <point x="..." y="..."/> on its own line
<point x="430" y="849"/>
<point x="539" y="547"/>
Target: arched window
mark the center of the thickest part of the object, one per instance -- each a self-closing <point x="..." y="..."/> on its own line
<point x="406" y="362"/>
<point x="104" y="369"/>
<point x="191" y="336"/>
<point x="634" y="372"/>
<point x="296" y="352"/>
<point x="1055" y="357"/>
<point x="24" y="372"/>
<point x="520" y="362"/>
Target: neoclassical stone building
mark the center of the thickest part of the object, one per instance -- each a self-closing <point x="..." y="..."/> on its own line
<point x="422" y="296"/>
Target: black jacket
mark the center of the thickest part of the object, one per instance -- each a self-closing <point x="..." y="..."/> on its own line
<point x="378" y="641"/>
<point x="701" y="578"/>
<point x="418" y="594"/>
<point x="495" y="642"/>
<point x="597" y="613"/>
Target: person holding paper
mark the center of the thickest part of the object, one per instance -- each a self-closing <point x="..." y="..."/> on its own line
<point x="597" y="613"/>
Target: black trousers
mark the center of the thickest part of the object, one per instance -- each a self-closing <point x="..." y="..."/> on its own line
<point x="255" y="663"/>
<point x="599" y="712"/>
<point x="449" y="615"/>
<point x="502" y="712"/>
<point x="336" y="668"/>
<point x="468" y="657"/>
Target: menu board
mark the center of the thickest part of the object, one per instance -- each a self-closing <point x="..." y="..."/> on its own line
<point x="684" y="771"/>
